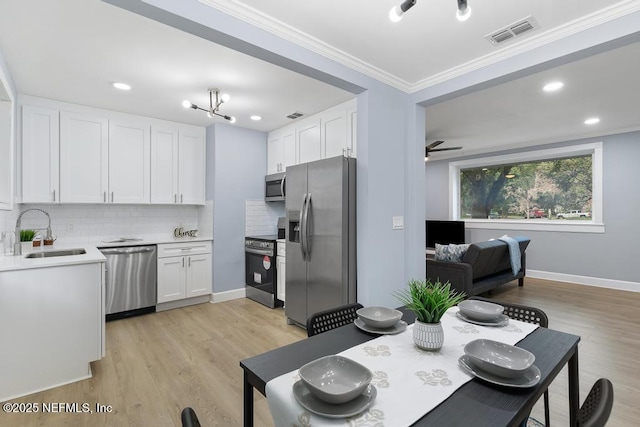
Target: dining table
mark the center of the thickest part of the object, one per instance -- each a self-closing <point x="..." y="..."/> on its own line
<point x="476" y="402"/>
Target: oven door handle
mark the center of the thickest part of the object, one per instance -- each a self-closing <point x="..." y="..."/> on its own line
<point x="267" y="252"/>
<point x="282" y="186"/>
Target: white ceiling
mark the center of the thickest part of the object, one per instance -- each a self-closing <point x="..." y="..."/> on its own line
<point x="72" y="50"/>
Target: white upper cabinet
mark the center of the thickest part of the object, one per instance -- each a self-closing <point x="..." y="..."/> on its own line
<point x="275" y="153"/>
<point x="327" y="134"/>
<point x="84" y="158"/>
<point x="309" y="145"/>
<point x="77" y="154"/>
<point x="40" y="155"/>
<point x="192" y="165"/>
<point x="129" y="161"/>
<point x="164" y="164"/>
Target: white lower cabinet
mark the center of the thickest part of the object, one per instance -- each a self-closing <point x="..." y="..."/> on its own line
<point x="281" y="271"/>
<point x="184" y="270"/>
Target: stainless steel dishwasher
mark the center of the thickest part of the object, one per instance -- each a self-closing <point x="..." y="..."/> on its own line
<point x="131" y="281"/>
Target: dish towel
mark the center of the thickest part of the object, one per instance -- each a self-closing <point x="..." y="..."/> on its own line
<point x="514" y="253"/>
<point x="401" y="373"/>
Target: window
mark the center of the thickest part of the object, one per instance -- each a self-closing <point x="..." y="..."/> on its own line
<point x="555" y="189"/>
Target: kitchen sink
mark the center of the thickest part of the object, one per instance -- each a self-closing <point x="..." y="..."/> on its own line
<point x="61" y="252"/>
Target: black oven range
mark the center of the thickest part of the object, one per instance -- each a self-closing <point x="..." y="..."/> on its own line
<point x="260" y="269"/>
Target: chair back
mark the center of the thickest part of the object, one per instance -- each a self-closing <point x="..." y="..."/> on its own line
<point x="596" y="408"/>
<point x="521" y="312"/>
<point x="189" y="418"/>
<point x="324" y="321"/>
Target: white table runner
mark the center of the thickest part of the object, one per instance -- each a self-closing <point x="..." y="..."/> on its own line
<point x="420" y="379"/>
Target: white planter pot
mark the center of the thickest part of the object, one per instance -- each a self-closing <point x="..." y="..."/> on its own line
<point x="428" y="336"/>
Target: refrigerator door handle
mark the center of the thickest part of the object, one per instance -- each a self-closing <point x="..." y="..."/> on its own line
<point x="307" y="240"/>
<point x="302" y="227"/>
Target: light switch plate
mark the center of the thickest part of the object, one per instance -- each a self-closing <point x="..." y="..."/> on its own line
<point x="398" y="223"/>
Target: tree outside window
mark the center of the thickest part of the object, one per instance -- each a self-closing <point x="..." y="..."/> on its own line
<point x="550" y="189"/>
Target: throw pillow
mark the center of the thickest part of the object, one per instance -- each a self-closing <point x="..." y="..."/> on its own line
<point x="450" y="252"/>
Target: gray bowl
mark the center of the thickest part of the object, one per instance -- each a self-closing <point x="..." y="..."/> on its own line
<point x="499" y="358"/>
<point x="480" y="310"/>
<point x="379" y="317"/>
<point x="335" y="379"/>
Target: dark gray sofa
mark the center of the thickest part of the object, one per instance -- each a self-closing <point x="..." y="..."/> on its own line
<point x="483" y="267"/>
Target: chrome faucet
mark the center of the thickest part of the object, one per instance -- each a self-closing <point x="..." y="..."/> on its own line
<point x="17" y="247"/>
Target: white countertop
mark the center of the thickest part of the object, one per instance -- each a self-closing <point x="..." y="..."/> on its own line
<point x="11" y="262"/>
<point x="20" y="262"/>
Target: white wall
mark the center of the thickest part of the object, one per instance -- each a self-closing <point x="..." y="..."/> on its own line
<point x="236" y="166"/>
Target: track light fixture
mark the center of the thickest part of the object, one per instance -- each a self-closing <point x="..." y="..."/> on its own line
<point x="396" y="12"/>
<point x="213" y="105"/>
<point x="464" y="11"/>
<point x="395" y="15"/>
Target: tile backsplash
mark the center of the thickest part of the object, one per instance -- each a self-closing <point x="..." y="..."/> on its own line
<point x="101" y="222"/>
<point x="261" y="217"/>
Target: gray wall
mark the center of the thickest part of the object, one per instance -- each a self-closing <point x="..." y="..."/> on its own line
<point x="236" y="166"/>
<point x="608" y="255"/>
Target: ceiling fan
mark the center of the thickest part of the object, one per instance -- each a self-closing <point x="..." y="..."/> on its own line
<point x="432" y="148"/>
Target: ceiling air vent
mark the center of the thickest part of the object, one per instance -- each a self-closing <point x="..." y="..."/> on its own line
<point x="512" y="31"/>
<point x="295" y="115"/>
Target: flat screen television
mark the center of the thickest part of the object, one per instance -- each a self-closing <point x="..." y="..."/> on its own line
<point x="444" y="232"/>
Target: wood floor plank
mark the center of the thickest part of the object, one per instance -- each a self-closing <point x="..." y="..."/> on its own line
<point x="158" y="364"/>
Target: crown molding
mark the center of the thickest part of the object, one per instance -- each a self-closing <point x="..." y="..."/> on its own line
<point x="281" y="29"/>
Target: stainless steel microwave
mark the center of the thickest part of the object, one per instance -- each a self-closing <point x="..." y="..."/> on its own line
<point x="274" y="187"/>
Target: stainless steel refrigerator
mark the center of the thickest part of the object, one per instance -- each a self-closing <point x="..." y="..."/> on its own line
<point x="320" y="237"/>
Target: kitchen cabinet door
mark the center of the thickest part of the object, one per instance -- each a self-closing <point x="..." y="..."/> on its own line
<point x="164" y="165"/>
<point x="309" y="145"/>
<point x="84" y="158"/>
<point x="281" y="278"/>
<point x="171" y="278"/>
<point x="275" y="153"/>
<point x="129" y="161"/>
<point x="192" y="161"/>
<point x="40" y="155"/>
<point x="289" y="147"/>
<point x="334" y="132"/>
<point x="199" y="275"/>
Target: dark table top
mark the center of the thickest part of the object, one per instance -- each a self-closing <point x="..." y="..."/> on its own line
<point x="476" y="403"/>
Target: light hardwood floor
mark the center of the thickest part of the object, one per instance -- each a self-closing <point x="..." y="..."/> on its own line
<point x="160" y="363"/>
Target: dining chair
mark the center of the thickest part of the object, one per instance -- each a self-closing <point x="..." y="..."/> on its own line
<point x="189" y="418"/>
<point x="596" y="408"/>
<point x="530" y="315"/>
<point x="324" y="321"/>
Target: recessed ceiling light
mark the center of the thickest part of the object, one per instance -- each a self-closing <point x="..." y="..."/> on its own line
<point x="553" y="86"/>
<point x="121" y="86"/>
<point x="256" y="117"/>
<point x="592" y="121"/>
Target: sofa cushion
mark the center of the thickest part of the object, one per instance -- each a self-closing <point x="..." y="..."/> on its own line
<point x="450" y="252"/>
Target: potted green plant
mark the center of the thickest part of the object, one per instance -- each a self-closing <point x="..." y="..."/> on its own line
<point x="429" y="301"/>
<point x="26" y="238"/>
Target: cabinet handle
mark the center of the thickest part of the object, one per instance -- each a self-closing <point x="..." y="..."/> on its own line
<point x="182" y="262"/>
<point x="54" y="195"/>
<point x="189" y="261"/>
<point x="104" y="197"/>
<point x="175" y="198"/>
<point x="112" y="197"/>
<point x="181" y="198"/>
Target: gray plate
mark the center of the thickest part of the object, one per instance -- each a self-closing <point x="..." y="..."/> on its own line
<point x="528" y="379"/>
<point x="395" y="329"/>
<point x="501" y="320"/>
<point x="343" y="410"/>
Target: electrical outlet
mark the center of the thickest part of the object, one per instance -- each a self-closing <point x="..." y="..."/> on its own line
<point x="70" y="226"/>
<point x="398" y="223"/>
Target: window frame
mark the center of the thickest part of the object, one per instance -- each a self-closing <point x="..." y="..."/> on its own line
<point x="595" y="225"/>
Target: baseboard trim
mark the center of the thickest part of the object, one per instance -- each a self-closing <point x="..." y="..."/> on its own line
<point x="227" y="295"/>
<point x="585" y="280"/>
